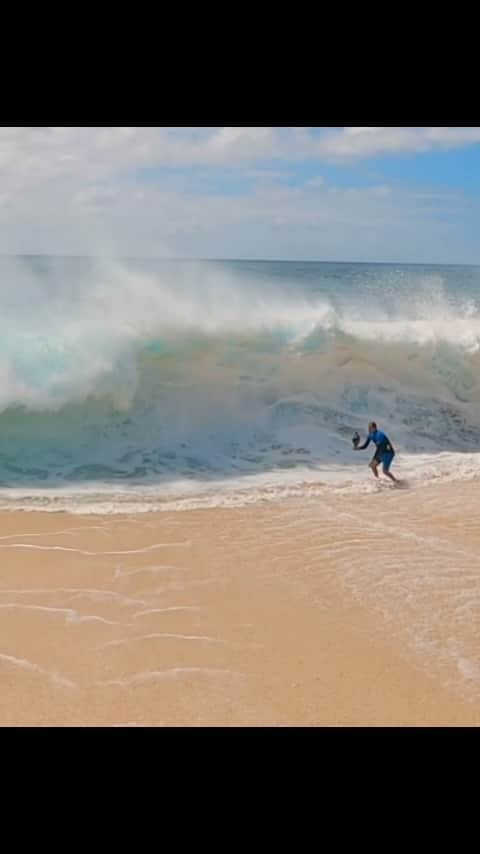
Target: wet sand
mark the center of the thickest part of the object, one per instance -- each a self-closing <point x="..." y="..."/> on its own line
<point x="301" y="612"/>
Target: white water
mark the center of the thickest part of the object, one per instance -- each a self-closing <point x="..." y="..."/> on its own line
<point x="123" y="391"/>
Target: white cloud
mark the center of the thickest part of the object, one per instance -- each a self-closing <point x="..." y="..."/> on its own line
<point x="81" y="189"/>
<point x="357" y="142"/>
<point x="37" y="154"/>
<point x="272" y="221"/>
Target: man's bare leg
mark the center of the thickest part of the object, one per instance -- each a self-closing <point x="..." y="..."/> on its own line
<point x="391" y="476"/>
<point x="374" y="468"/>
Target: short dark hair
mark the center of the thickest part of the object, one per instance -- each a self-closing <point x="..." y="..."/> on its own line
<point x="374" y="425"/>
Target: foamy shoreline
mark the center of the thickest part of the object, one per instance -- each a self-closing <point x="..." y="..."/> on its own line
<point x="417" y="471"/>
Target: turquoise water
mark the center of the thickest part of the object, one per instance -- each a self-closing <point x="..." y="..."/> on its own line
<point x="119" y="375"/>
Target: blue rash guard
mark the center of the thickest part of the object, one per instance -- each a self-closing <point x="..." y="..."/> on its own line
<point x="385" y="451"/>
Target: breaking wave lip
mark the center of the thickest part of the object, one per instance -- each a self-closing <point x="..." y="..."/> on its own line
<point x="139" y="391"/>
<point x="64" y="344"/>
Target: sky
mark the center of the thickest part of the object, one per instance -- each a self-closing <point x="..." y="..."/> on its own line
<point x="386" y="194"/>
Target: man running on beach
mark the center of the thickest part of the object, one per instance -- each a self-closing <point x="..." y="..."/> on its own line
<point x="385" y="451"/>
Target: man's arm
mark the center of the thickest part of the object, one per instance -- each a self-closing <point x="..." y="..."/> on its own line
<point x="365" y="446"/>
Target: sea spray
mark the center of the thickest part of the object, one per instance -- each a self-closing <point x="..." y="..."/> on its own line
<point x="122" y="375"/>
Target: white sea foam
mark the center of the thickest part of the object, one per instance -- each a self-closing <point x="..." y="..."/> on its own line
<point x="123" y="391"/>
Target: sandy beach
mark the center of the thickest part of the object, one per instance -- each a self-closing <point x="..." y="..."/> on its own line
<point x="299" y="613"/>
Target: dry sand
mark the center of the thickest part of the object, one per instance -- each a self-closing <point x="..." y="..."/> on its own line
<point x="307" y="612"/>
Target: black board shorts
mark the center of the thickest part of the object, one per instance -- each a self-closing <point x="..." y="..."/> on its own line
<point x="383" y="451"/>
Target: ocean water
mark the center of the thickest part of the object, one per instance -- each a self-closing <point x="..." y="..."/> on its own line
<point x="130" y="386"/>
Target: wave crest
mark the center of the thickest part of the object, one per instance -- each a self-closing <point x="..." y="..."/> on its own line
<point x="115" y="374"/>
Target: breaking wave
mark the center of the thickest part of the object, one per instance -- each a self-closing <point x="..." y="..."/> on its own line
<point x="195" y="374"/>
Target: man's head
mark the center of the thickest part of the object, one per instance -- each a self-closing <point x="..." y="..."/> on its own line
<point x="372" y="427"/>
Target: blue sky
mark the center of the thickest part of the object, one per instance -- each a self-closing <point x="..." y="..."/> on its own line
<point x="367" y="194"/>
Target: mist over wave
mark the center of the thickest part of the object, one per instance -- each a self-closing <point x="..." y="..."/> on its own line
<point x="119" y="373"/>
